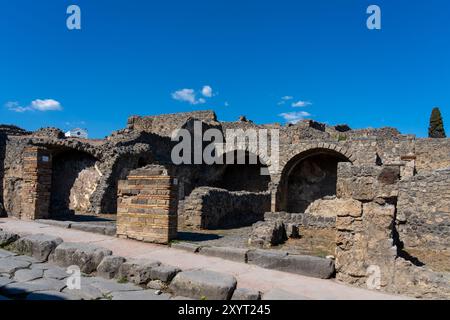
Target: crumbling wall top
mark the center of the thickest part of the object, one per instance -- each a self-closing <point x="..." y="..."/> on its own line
<point x="164" y="125"/>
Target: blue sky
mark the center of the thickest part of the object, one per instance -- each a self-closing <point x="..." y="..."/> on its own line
<point x="132" y="57"/>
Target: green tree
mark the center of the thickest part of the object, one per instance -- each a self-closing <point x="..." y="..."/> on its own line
<point x="436" y="128"/>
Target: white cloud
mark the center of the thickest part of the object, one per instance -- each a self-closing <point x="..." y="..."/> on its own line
<point x="74" y="124"/>
<point x="207" y="91"/>
<point x="294" y="117"/>
<point x="16" y="107"/>
<point x="226" y="104"/>
<point x="187" y="95"/>
<point x="46" y="105"/>
<point x="284" y="99"/>
<point x="36" y="105"/>
<point x="300" y="103"/>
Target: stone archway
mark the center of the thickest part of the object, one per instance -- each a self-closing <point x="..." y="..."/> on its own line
<point x="308" y="176"/>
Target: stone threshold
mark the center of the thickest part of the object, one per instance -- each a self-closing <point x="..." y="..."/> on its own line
<point x="81" y="226"/>
<point x="309" y="266"/>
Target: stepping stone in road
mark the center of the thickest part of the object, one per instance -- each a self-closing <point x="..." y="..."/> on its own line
<point x="246" y="294"/>
<point x="198" y="284"/>
<point x="38" y="246"/>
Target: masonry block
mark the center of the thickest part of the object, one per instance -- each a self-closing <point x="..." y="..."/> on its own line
<point x="147" y="205"/>
<point x="37" y="167"/>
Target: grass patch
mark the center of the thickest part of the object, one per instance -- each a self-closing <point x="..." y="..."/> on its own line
<point x="174" y="242"/>
<point x="122" y="280"/>
<point x="107" y="296"/>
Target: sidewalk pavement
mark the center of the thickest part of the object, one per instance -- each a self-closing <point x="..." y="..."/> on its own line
<point x="248" y="276"/>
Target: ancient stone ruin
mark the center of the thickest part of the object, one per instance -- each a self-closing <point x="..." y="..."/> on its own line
<point x="383" y="197"/>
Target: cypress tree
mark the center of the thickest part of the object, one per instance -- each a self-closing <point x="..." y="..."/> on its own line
<point x="436" y="128"/>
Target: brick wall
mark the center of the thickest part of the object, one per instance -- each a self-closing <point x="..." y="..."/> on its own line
<point x="37" y="168"/>
<point x="147" y="205"/>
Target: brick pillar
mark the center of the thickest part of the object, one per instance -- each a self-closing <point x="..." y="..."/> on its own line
<point x="147" y="205"/>
<point x="37" y="167"/>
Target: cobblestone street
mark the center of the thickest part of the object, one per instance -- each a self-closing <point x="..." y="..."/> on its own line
<point x="24" y="278"/>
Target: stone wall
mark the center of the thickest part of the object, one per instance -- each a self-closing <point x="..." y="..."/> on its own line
<point x="423" y="210"/>
<point x="303" y="219"/>
<point x="365" y="183"/>
<point x="214" y="208"/>
<point x="367" y="255"/>
<point x="369" y="249"/>
<point x="13" y="176"/>
<point x="147" y="205"/>
<point x="432" y="154"/>
<point x="164" y="125"/>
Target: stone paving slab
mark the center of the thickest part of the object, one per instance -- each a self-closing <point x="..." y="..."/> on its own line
<point x="139" y="295"/>
<point x="280" y="294"/>
<point x="50" y="295"/>
<point x="55" y="273"/>
<point x="43" y="281"/>
<point x="56" y="223"/>
<point x="25" y="275"/>
<point x="22" y="288"/>
<point x="50" y="284"/>
<point x="4" y="281"/>
<point x="27" y="259"/>
<point x="10" y="265"/>
<point x="109" y="286"/>
<point x="5" y="254"/>
<point x="233" y="254"/>
<point x="86" y="292"/>
<point x="186" y="246"/>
